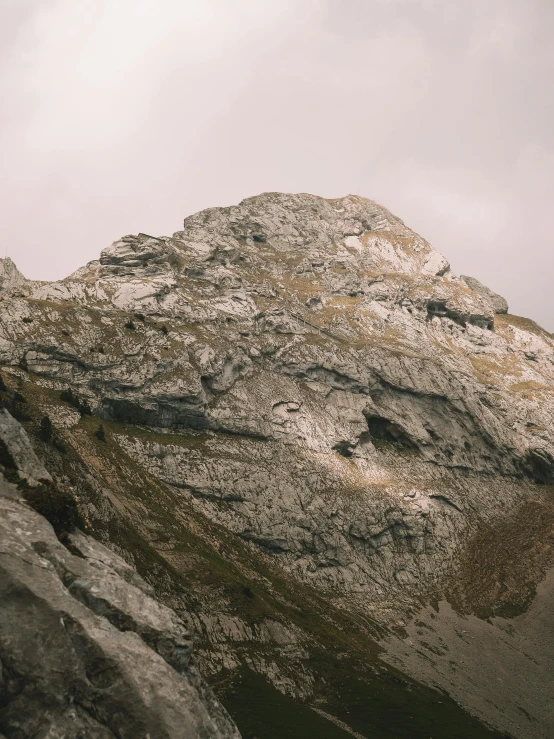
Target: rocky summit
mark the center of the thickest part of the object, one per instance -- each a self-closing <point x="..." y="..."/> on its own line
<point x="288" y="449"/>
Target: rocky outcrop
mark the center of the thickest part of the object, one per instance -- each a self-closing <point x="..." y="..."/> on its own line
<point x="303" y="387"/>
<point x="499" y="303"/>
<point x="10" y="277"/>
<point x="85" y="649"/>
<point x="16" y="452"/>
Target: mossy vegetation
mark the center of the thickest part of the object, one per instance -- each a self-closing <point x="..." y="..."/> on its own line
<point x="499" y="567"/>
<point x="59" y="507"/>
<point x="500" y="367"/>
<point x="16" y="404"/>
<point x="100" y="433"/>
<point x="529" y="388"/>
<point x="383" y="705"/>
<point x="505" y="321"/>
<point x="262" y="712"/>
<point x="46" y="430"/>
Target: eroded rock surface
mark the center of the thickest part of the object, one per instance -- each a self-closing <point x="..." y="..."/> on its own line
<point x="305" y="387"/>
<point x="85" y="651"/>
<point x="500" y="304"/>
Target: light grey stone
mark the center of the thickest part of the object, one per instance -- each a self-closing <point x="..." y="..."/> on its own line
<point x="500" y="304"/>
<point x="87" y="653"/>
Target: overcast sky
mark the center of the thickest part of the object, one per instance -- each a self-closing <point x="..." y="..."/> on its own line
<point x="126" y="116"/>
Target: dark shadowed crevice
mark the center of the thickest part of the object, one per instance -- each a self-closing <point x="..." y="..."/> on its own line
<point x="539" y="465"/>
<point x="383" y="428"/>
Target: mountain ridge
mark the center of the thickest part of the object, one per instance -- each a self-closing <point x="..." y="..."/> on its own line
<point x="329" y="404"/>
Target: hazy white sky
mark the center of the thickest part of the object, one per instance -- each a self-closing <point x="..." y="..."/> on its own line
<point x="121" y="116"/>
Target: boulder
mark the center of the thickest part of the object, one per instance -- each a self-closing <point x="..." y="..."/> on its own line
<point x="499" y="303"/>
<point x="85" y="650"/>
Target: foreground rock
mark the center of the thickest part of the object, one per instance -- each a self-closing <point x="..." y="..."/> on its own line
<point x="18" y="453"/>
<point x="86" y="652"/>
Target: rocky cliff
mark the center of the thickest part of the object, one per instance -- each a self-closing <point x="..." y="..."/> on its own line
<point x="86" y="652"/>
<point x="309" y="436"/>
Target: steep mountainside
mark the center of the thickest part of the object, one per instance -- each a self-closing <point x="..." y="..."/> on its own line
<point x="86" y="652"/>
<point x="333" y="458"/>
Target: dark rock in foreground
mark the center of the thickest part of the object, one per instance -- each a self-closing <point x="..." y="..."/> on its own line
<point x="86" y="652"/>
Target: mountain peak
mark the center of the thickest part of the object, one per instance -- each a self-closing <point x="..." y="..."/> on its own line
<point x="10" y="276"/>
<point x="294" y="405"/>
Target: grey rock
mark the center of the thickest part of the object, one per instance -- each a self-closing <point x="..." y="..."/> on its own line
<point x="500" y="304"/>
<point x="19" y="448"/>
<point x="10" y="277"/>
<point x="85" y="651"/>
<point x="398" y="351"/>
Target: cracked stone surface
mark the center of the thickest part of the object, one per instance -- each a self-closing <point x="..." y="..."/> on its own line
<point x="85" y="651"/>
<point x="325" y="327"/>
<point x="310" y="376"/>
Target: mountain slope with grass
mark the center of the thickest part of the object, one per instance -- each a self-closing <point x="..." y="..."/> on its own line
<point x="329" y="455"/>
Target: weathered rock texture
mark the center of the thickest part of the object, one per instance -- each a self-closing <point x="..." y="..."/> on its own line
<point x="301" y="393"/>
<point x="499" y="303"/>
<point x="85" y="650"/>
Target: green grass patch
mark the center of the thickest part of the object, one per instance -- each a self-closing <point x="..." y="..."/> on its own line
<point x="387" y="705"/>
<point x="382" y="706"/>
<point x="262" y="712"/>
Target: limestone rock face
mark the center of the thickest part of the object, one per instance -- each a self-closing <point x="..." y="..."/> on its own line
<point x="329" y="329"/>
<point x="85" y="650"/>
<point x="19" y="451"/>
<point x="10" y="277"/>
<point x="500" y="304"/>
<point x="305" y="387"/>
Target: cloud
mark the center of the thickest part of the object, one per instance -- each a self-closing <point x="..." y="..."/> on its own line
<point x="127" y="116"/>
